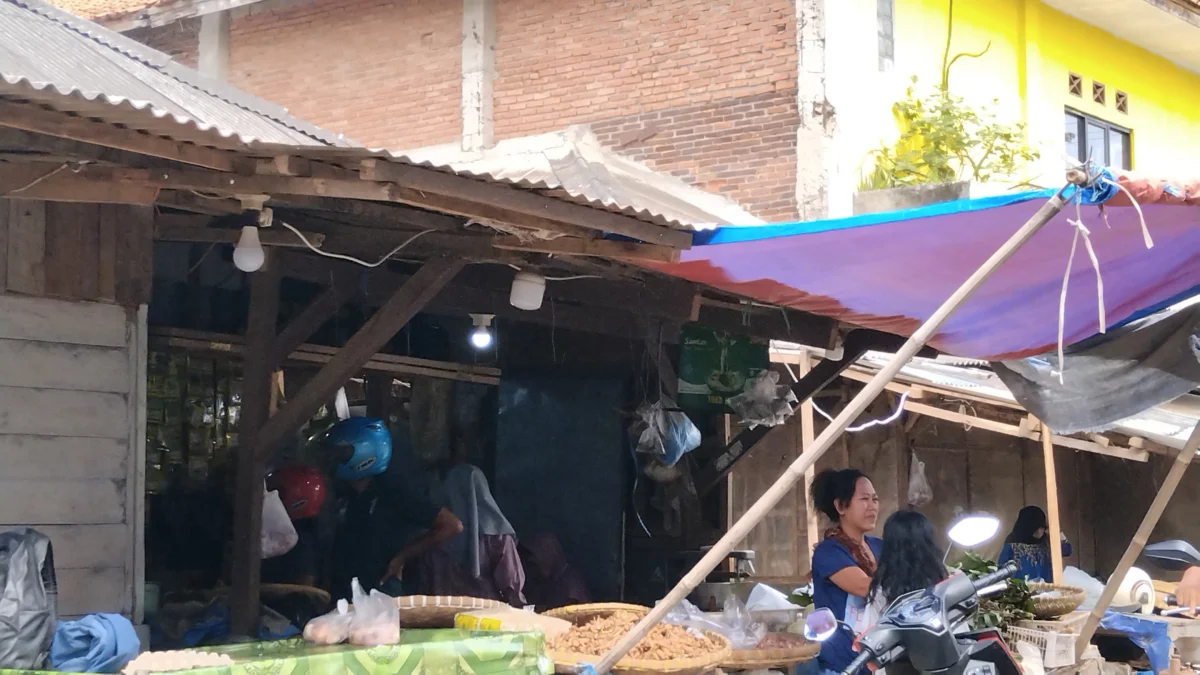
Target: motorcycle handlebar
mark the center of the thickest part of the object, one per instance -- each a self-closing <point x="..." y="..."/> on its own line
<point x="999" y="575"/>
<point x="860" y="661"/>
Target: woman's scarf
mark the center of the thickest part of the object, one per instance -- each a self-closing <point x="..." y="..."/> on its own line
<point x="469" y="498"/>
<point x="860" y="552"/>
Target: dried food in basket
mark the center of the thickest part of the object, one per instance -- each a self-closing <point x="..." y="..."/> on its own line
<point x="1054" y="600"/>
<point x="665" y="648"/>
<point x="774" y="650"/>
<point x="438" y="611"/>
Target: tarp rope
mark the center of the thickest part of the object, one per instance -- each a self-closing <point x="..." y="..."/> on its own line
<point x="1102" y="186"/>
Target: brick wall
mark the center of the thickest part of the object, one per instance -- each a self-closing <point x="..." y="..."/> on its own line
<point x="743" y="148"/>
<point x="384" y="73"/>
<point x="180" y="40"/>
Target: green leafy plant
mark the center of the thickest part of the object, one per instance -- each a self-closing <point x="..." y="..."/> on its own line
<point x="943" y="139"/>
<point x="997" y="611"/>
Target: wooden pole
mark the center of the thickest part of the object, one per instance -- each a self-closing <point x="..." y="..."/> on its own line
<point x="852" y="410"/>
<point x="1056" y="561"/>
<point x="1182" y="460"/>
<point x="807" y="433"/>
<point x="248" y="481"/>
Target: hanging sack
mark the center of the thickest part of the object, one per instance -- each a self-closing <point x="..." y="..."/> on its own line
<point x="920" y="492"/>
<point x="278" y="533"/>
<point x="29" y="599"/>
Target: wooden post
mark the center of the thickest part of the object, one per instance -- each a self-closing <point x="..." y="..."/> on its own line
<point x="248" y="495"/>
<point x="1056" y="560"/>
<point x="852" y="410"/>
<point x="807" y="433"/>
<point x="374" y="334"/>
<point x="1182" y="460"/>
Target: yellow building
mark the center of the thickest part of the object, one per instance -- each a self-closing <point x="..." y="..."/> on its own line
<point x="1117" y="80"/>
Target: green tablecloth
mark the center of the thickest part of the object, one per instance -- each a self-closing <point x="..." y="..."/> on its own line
<point x="434" y="652"/>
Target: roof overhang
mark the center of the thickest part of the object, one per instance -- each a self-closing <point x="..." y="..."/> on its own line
<point x="1168" y="28"/>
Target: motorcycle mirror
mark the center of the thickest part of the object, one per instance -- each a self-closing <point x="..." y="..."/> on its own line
<point x="971" y="531"/>
<point x="820" y="625"/>
<point x="1175" y="555"/>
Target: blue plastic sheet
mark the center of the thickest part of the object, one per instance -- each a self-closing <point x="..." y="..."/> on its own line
<point x="1148" y="634"/>
<point x="97" y="643"/>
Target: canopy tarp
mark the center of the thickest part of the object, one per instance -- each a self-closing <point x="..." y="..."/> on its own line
<point x="890" y="271"/>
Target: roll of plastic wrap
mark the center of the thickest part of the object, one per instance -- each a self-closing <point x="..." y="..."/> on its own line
<point x="1136" y="591"/>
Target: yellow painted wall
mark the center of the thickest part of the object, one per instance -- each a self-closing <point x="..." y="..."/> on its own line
<point x="1033" y="49"/>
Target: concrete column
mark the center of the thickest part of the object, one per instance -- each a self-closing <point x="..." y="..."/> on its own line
<point x="478" y="73"/>
<point x="213" y="59"/>
<point x="817" y="117"/>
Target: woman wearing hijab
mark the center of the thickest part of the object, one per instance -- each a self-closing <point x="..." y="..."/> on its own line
<point x="482" y="561"/>
<point x="1029" y="544"/>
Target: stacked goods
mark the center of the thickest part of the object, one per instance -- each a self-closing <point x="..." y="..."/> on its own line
<point x="166" y="662"/>
<point x="665" y="648"/>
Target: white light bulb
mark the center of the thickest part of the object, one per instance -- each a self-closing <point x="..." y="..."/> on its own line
<point x="249" y="255"/>
<point x="481" y="338"/>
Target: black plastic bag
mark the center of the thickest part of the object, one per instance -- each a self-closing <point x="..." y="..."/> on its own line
<point x="28" y="599"/>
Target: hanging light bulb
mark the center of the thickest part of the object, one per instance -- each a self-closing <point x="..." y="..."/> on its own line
<point x="481" y="337"/>
<point x="249" y="255"/>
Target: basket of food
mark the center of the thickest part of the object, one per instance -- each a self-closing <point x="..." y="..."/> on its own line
<point x="578" y="614"/>
<point x="1051" y="601"/>
<point x="438" y="611"/>
<point x="666" y="649"/>
<point x="774" y="651"/>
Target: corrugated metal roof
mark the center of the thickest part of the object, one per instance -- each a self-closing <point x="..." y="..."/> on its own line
<point x="47" y="54"/>
<point x="574" y="161"/>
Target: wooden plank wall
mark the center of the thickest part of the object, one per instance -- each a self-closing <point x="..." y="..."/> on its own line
<point x="71" y="278"/>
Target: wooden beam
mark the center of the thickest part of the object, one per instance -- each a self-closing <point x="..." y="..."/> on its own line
<point x="374" y="213"/>
<point x="1014" y="430"/>
<point x="1145" y="529"/>
<point x="52" y="123"/>
<point x="603" y="248"/>
<point x="186" y="200"/>
<point x="284" y="165"/>
<point x="319" y="311"/>
<point x="248" y="496"/>
<point x="60" y="183"/>
<point x="381" y="327"/>
<point x="522" y="201"/>
<point x="65" y="149"/>
<point x="169" y="227"/>
<point x="807" y="435"/>
<point x="1055" y="527"/>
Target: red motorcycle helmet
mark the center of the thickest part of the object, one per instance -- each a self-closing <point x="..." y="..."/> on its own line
<point x="301" y="489"/>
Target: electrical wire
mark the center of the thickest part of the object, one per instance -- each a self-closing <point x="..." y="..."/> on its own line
<point x="35" y="181"/>
<point x="867" y="425"/>
<point x="352" y="259"/>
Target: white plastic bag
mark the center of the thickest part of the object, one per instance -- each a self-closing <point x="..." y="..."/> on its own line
<point x="920" y="492"/>
<point x="665" y="432"/>
<point x="734" y="623"/>
<point x="330" y="629"/>
<point x="763" y="402"/>
<point x="278" y="534"/>
<point x="375" y="620"/>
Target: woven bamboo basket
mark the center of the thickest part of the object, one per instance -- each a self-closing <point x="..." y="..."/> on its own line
<point x="438" y="611"/>
<point x="1070" y="598"/>
<point x="766" y="659"/>
<point x="570" y="662"/>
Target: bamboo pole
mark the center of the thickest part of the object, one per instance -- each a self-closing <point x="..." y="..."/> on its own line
<point x="1055" y="526"/>
<point x="852" y="410"/>
<point x="1182" y="460"/>
<point x="807" y="433"/>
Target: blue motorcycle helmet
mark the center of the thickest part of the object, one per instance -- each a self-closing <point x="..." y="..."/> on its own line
<point x="362" y="447"/>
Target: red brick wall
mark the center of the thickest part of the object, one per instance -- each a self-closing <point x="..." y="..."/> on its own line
<point x="180" y="40"/>
<point x="386" y="73"/>
<point x="705" y="90"/>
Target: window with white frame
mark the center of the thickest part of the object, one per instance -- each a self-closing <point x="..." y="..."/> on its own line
<point x="1102" y="142"/>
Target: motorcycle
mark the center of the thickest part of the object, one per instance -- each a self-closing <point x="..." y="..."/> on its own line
<point x="919" y="631"/>
<point x="1175" y="555"/>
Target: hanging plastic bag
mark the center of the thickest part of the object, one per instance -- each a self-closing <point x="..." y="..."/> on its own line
<point x="375" y="620"/>
<point x="763" y="401"/>
<point x="665" y="431"/>
<point x="332" y="628"/>
<point x="920" y="492"/>
<point x="30" y="591"/>
<point x="278" y="534"/>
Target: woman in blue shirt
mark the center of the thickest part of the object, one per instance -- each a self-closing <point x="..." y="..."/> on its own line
<point x="1029" y="545"/>
<point x="845" y="560"/>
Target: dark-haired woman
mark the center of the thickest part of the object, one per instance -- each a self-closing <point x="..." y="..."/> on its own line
<point x="1029" y="544"/>
<point x="910" y="561"/>
<point x="845" y="560"/>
